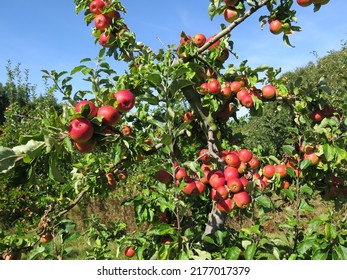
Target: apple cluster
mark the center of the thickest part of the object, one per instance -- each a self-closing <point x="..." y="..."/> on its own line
<point x="89" y="121"/>
<point x="105" y="19"/>
<point x="239" y="89"/>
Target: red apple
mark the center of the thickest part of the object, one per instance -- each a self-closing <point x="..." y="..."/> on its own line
<point x="181" y="173"/>
<point x="219" y="193"/>
<point x="281" y="170"/>
<point x="226" y="91"/>
<point x="304" y="3"/>
<point x="101" y="22"/>
<point x="242" y="199"/>
<point x="104" y="39"/>
<point x="125" y="100"/>
<point x="204" y="156"/>
<point x="91" y="108"/>
<point x="85" y="147"/>
<point x="254" y="163"/>
<point x="188" y="116"/>
<point x="225" y="205"/>
<point x="276" y="26"/>
<point x="81" y="130"/>
<point x="190" y="188"/>
<point x="129" y="252"/>
<point x="109" y="114"/>
<point x="230" y="172"/>
<point x="232" y="159"/>
<point x="268" y="91"/>
<point x="245" y="155"/>
<point x="236" y="86"/>
<point x="126" y="130"/>
<point x="96" y="6"/>
<point x="200" y="187"/>
<point x="269" y="171"/>
<point x="216" y="178"/>
<point x="164" y="176"/>
<point x="312" y="157"/>
<point x="317" y="115"/>
<point x="230" y="15"/>
<point x="247" y="101"/>
<point x="234" y="184"/>
<point x="203" y="88"/>
<point x="214" y="86"/>
<point x="214" y="45"/>
<point x="199" y="39"/>
<point x="241" y="94"/>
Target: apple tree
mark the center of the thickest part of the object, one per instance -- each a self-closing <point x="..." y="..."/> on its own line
<point x="160" y="136"/>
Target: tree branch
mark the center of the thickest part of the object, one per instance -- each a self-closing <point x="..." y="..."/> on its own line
<point x="235" y="23"/>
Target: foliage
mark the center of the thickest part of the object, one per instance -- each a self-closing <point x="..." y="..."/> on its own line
<point x="178" y="216"/>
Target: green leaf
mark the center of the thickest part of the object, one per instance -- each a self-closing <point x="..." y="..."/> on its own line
<point x="288" y="149"/>
<point x="305" y="245"/>
<point x="150" y="98"/>
<point x="250" y="251"/>
<point x="304" y="206"/>
<point x="339" y="253"/>
<point x="8" y="159"/>
<point x="264" y="201"/>
<point x="177" y="85"/>
<point x="155" y="78"/>
<point x="341" y="154"/>
<point x="233" y="253"/>
<point x="288" y="193"/>
<point x="305" y="164"/>
<point x="329" y="152"/>
<point x="54" y="172"/>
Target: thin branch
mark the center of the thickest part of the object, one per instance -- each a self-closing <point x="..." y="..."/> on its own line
<point x="229" y="28"/>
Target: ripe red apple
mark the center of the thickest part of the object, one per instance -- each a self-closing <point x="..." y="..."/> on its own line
<point x="269" y="171"/>
<point x="188" y="116"/>
<point x="96" y="6"/>
<point x="226" y="91"/>
<point x="81" y="130"/>
<point x="276" y="26"/>
<point x="312" y="157"/>
<point x="125" y="100"/>
<point x="181" y="173"/>
<point x="225" y="205"/>
<point x="104" y="39"/>
<point x="126" y="130"/>
<point x="254" y="163"/>
<point x="241" y="94"/>
<point x="230" y="172"/>
<point x="244" y="182"/>
<point x="281" y="170"/>
<point x="245" y="155"/>
<point x="183" y="40"/>
<point x="234" y="184"/>
<point x="247" y="101"/>
<point x="285" y="184"/>
<point x="129" y="252"/>
<point x="203" y="88"/>
<point x="230" y="15"/>
<point x="304" y="3"/>
<point x="242" y="167"/>
<point x="101" y="22"/>
<point x="91" y="108"/>
<point x="110" y="115"/>
<point x="268" y="91"/>
<point x="242" y="199"/>
<point x="190" y="188"/>
<point x="235" y="86"/>
<point x="164" y="176"/>
<point x="85" y="147"/>
<point x="200" y="187"/>
<point x="199" y="39"/>
<point x="214" y="45"/>
<point x="204" y="156"/>
<point x="317" y="115"/>
<point x="232" y="160"/>
<point x="214" y="86"/>
<point x="216" y="178"/>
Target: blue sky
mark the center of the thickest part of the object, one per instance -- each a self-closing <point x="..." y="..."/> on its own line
<point x="49" y="35"/>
